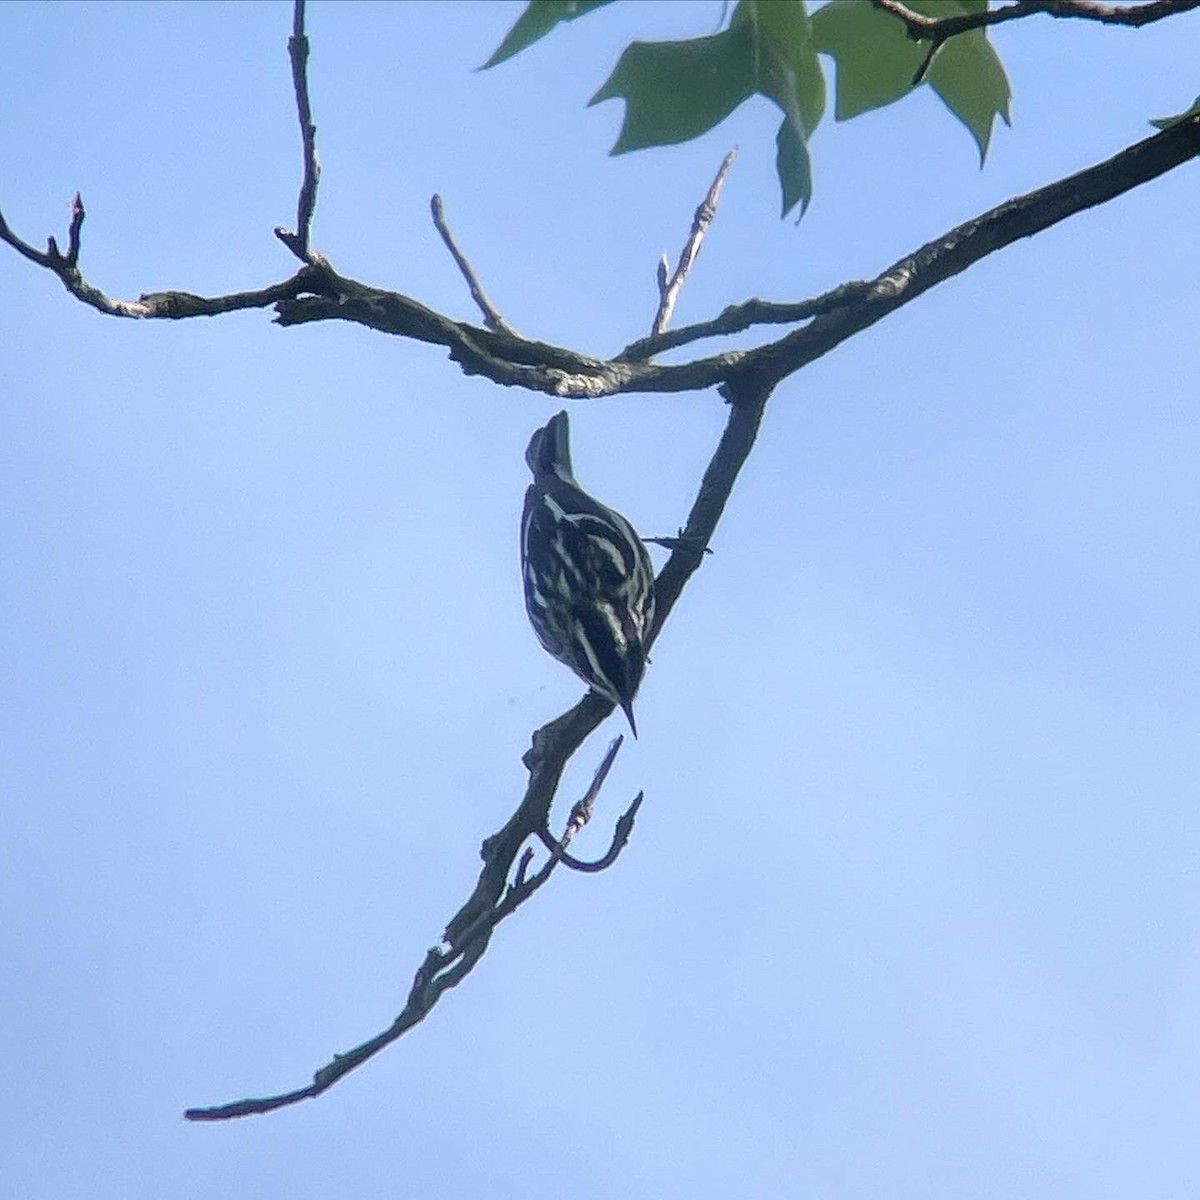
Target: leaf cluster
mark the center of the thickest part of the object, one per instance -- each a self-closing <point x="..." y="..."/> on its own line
<point x="677" y="90"/>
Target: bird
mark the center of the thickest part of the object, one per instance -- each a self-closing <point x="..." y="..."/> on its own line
<point x="589" y="582"/>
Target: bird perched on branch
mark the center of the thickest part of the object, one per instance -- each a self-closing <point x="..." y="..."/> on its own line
<point x="589" y="583"/>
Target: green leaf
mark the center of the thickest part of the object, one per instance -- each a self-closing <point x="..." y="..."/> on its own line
<point x="876" y="61"/>
<point x="969" y="77"/>
<point x="787" y="69"/>
<point x="875" y="58"/>
<point x="676" y="91"/>
<point x="539" y="17"/>
<point x="788" y="72"/>
<point x="1167" y="122"/>
<point x="794" y="168"/>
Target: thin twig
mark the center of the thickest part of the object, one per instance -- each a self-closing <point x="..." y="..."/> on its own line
<point x="77" y="214"/>
<point x="678" y="542"/>
<point x="581" y="811"/>
<point x="581" y="814"/>
<point x="927" y="62"/>
<point x="298" y="242"/>
<point x="669" y="289"/>
<point x="523" y="866"/>
<point x="620" y="838"/>
<point x="491" y="315"/>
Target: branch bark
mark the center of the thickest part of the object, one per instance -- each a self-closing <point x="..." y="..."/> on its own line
<point x="298" y="48"/>
<point x="939" y="30"/>
<point x="318" y="293"/>
<point x="921" y="27"/>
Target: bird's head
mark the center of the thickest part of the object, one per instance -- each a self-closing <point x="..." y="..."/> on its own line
<point x="549" y="451"/>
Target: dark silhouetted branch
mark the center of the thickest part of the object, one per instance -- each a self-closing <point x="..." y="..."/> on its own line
<point x="746" y="379"/>
<point x="740" y="317"/>
<point x="967" y="244"/>
<point x="469" y="932"/>
<point x="939" y="30"/>
<point x="318" y="293"/>
<point x="465" y="940"/>
<point x="298" y="241"/>
<point x="921" y="27"/>
<point x="162" y="305"/>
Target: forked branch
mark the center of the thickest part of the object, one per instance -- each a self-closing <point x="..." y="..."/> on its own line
<point x="939" y="30"/>
<point x="1143" y="12"/>
<point x="470" y="930"/>
<point x="318" y="293"/>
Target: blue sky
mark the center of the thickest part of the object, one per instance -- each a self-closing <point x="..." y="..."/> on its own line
<point x="912" y="907"/>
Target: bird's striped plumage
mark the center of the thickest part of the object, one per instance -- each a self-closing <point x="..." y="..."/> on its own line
<point x="589" y="583"/>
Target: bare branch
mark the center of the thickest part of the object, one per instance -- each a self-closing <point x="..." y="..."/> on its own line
<point x="298" y="242"/>
<point x="317" y="293"/>
<point x="746" y="379"/>
<point x="921" y="27"/>
<point x="938" y="30"/>
<point x="842" y="312"/>
<point x="962" y="247"/>
<point x="161" y="305"/>
<point x="678" y="542"/>
<point x="491" y="315"/>
<point x="449" y="963"/>
<point x="621" y="833"/>
<point x="581" y="814"/>
<point x="739" y="317"/>
<point x="77" y="215"/>
<point x="669" y="289"/>
<point x="469" y="932"/>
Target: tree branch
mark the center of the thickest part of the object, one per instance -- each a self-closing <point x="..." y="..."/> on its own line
<point x="298" y="242"/>
<point x="839" y="314"/>
<point x="469" y="932"/>
<point x="491" y="315"/>
<point x="965" y="245"/>
<point x="739" y="317"/>
<point x="669" y="289"/>
<point x="448" y="964"/>
<point x="921" y="27"/>
<point x="938" y="30"/>
<point x="318" y="293"/>
<point x="162" y="305"/>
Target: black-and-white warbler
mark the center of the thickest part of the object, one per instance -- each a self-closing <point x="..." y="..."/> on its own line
<point x="589" y="583"/>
